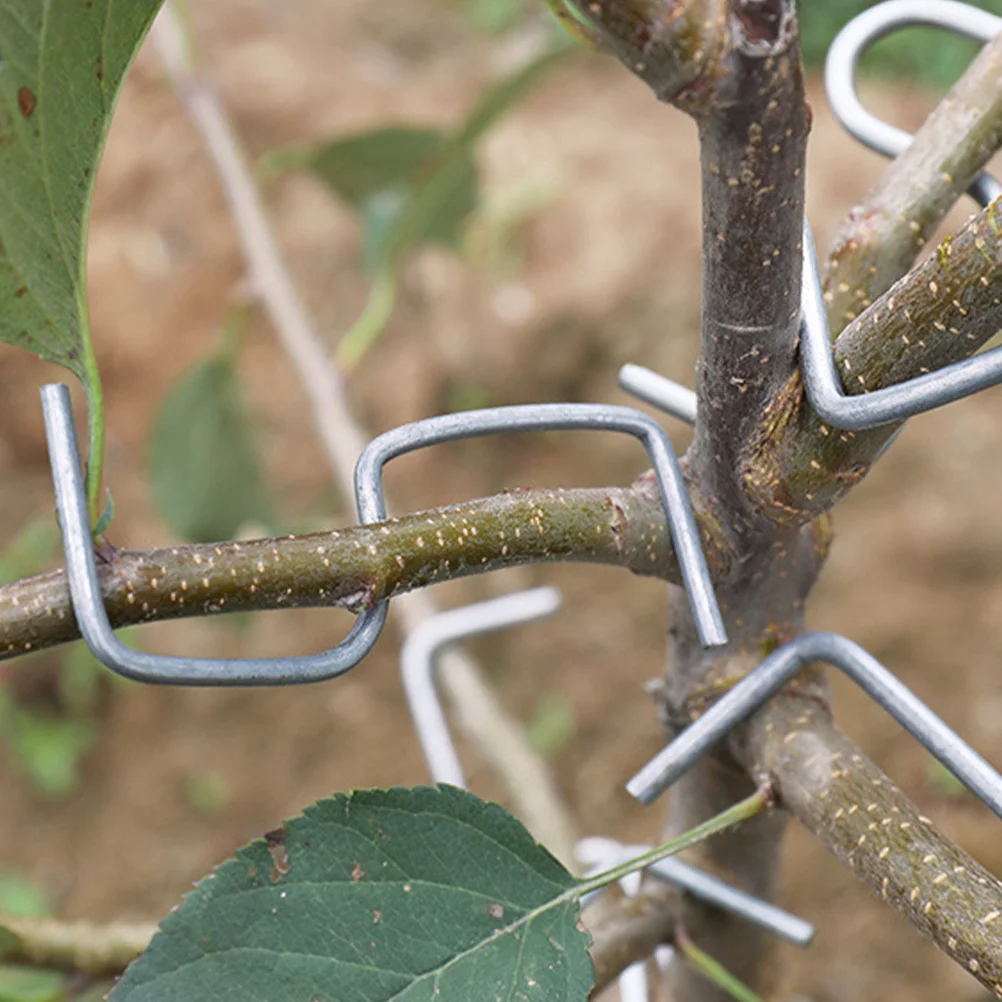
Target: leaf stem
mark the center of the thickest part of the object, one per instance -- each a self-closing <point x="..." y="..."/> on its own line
<point x="373" y="320"/>
<point x="712" y="970"/>
<point x="741" y="811"/>
<point x="95" y="430"/>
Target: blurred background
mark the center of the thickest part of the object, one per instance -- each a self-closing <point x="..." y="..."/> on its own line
<point x="571" y="247"/>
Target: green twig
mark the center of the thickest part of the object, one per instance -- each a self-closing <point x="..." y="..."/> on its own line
<point x="713" y="971"/>
<point x="741" y="811"/>
<point x="372" y="322"/>
<point x="95" y="431"/>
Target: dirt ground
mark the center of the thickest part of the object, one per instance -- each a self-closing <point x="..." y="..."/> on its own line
<point x="605" y="270"/>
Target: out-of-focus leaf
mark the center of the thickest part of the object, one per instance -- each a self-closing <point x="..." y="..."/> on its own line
<point x="29" y="551"/>
<point x="551" y="725"/>
<point x="204" y="469"/>
<point x="20" y="897"/>
<point x="494" y="16"/>
<point x="29" y="984"/>
<point x="440" y="193"/>
<point x="944" y="783"/>
<point x="411" y="186"/>
<point x="50" y="749"/>
<point x="378" y="173"/>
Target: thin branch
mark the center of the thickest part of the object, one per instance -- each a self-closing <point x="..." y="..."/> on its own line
<point x="75" y="946"/>
<point x="352" y="568"/>
<point x="499" y="737"/>
<point x="859" y="814"/>
<point x="626" y="930"/>
<point x="882" y="236"/>
<point x="940" y="312"/>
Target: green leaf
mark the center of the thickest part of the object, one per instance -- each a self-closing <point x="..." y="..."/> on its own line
<point x="204" y="469"/>
<point x="29" y="984"/>
<point x="551" y="726"/>
<point x="63" y="64"/>
<point x="441" y="193"/>
<point x="417" y="895"/>
<point x="361" y="166"/>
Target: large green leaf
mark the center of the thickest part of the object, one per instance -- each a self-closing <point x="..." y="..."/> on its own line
<point x="63" y="65"/>
<point x="410" y="895"/>
<point x="204" y="468"/>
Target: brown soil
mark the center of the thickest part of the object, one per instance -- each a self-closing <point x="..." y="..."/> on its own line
<point x="606" y="271"/>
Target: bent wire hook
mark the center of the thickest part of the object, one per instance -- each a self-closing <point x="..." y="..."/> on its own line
<point x="775" y="671"/>
<point x="892" y="403"/>
<point x="417" y="666"/>
<point x="88" y="604"/>
<point x="821" y="380"/>
<point x="565" y="417"/>
<point x="874" y="23"/>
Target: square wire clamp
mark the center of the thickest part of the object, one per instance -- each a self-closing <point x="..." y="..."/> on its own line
<point x="775" y="671"/>
<point x="562" y="417"/>
<point x="876" y="22"/>
<point x="88" y="605"/>
<point x="892" y="403"/>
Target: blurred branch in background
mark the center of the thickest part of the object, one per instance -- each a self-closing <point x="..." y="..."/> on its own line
<point x="500" y="739"/>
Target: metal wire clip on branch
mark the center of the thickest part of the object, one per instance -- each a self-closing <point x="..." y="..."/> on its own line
<point x="821" y="380"/>
<point x="96" y="629"/>
<point x="417" y="666"/>
<point x="778" y="669"/>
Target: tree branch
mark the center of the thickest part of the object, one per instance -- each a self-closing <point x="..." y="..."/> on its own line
<point x="354" y="567"/>
<point x="75" y="946"/>
<point x="882" y="237"/>
<point x="940" y="312"/>
<point x="859" y="814"/>
<point x="753" y="146"/>
<point x="626" y="930"/>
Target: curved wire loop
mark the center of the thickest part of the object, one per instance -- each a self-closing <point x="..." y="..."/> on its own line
<point x="562" y="417"/>
<point x="417" y="667"/>
<point x="876" y="22"/>
<point x="775" y="671"/>
<point x="878" y="407"/>
<point x="88" y="604"/>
